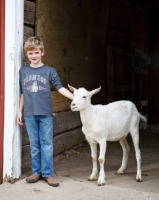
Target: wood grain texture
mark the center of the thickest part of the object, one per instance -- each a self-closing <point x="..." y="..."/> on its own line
<point x="60" y="103"/>
<point x="29" y="13"/>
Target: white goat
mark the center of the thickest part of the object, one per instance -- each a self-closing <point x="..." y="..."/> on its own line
<point x="102" y="123"/>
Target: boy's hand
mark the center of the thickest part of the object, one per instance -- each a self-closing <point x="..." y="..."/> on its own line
<point x="19" y="119"/>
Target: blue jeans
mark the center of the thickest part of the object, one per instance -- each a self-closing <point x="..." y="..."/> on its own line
<point x="40" y="131"/>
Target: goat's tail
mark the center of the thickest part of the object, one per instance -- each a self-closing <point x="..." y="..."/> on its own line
<point x="143" y="123"/>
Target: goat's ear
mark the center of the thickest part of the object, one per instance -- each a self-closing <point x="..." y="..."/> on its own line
<point x="95" y="91"/>
<point x="72" y="88"/>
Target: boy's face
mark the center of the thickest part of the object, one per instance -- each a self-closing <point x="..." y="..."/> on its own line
<point x="35" y="56"/>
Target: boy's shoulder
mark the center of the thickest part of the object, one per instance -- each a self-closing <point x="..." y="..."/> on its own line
<point x="49" y="68"/>
<point x="23" y="68"/>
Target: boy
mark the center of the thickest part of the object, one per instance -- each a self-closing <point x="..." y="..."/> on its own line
<point x="35" y="98"/>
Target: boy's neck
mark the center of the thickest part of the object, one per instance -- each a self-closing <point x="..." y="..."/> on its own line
<point x="36" y="65"/>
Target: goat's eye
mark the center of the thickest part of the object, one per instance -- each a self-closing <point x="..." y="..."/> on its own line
<point x="84" y="97"/>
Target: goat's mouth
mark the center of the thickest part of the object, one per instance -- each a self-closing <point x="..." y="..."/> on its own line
<point x="73" y="108"/>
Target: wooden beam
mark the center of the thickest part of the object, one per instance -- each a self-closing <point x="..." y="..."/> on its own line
<point x="14" y="26"/>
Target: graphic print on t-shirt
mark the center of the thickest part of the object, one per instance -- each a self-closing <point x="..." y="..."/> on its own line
<point x="34" y="83"/>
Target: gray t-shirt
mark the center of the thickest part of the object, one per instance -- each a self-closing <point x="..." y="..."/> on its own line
<point x="35" y="86"/>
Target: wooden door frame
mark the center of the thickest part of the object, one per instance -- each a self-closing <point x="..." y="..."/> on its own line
<point x="2" y="39"/>
<point x="14" y="25"/>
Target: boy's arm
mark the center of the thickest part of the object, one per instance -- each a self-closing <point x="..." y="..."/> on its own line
<point x="21" y="106"/>
<point x="65" y="92"/>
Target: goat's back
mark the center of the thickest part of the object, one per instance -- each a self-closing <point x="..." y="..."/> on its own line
<point x="113" y="121"/>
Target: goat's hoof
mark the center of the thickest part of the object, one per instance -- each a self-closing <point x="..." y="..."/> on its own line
<point x="139" y="180"/>
<point x="92" y="179"/>
<point x="101" y="184"/>
<point x="119" y="173"/>
<point x="101" y="181"/>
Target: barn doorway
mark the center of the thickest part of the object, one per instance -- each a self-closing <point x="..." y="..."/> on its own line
<point x="108" y="43"/>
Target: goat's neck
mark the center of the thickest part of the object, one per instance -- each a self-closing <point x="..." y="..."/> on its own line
<point x="86" y="114"/>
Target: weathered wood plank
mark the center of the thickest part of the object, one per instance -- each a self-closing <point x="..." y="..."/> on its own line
<point x="28" y="32"/>
<point x="29" y="6"/>
<point x="67" y="140"/>
<point x="60" y="103"/>
<point x="65" y="121"/>
<point x="25" y="138"/>
<point x="29" y="13"/>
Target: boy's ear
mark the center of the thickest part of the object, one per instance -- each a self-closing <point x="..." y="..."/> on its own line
<point x="43" y="53"/>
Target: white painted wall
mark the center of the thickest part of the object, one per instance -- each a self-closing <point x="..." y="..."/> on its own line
<point x="14" y="17"/>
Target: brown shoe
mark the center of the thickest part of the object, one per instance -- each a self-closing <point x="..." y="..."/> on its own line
<point x="33" y="178"/>
<point x="51" y="181"/>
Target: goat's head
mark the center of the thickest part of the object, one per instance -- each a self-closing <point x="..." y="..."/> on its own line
<point x="82" y="98"/>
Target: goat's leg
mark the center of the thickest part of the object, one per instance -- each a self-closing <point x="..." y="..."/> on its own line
<point x="93" y="176"/>
<point x="126" y="149"/>
<point x="135" y="138"/>
<point x="102" y="177"/>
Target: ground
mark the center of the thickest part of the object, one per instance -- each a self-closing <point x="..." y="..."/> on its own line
<point x="74" y="166"/>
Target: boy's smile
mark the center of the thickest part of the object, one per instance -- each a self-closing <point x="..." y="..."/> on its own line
<point x="35" y="56"/>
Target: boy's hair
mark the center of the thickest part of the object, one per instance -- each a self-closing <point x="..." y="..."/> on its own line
<point x="33" y="43"/>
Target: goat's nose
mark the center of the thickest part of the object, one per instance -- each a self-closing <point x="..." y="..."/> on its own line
<point x="73" y="104"/>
